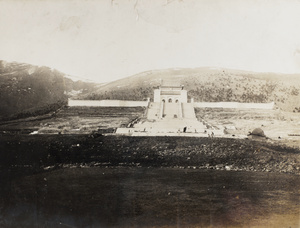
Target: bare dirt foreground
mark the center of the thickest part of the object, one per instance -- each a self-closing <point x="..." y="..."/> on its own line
<point x="71" y="174"/>
<point x="121" y="181"/>
<point x="151" y="197"/>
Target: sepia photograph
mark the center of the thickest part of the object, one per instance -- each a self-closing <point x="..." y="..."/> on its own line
<point x="149" y="113"/>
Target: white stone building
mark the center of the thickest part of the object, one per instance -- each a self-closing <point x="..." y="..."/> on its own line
<point x="170" y="102"/>
<point x="170" y="93"/>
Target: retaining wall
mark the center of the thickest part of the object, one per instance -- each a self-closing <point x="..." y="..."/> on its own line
<point x="234" y="105"/>
<point x="122" y="103"/>
<point x="108" y="103"/>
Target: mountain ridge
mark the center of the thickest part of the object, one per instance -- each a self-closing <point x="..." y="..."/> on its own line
<point x="28" y="90"/>
<point x="209" y="85"/>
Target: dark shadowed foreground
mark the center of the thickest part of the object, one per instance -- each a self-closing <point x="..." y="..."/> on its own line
<point x="110" y="181"/>
<point x="151" y="197"/>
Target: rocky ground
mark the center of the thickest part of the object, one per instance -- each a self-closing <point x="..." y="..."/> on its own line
<point x="279" y="126"/>
<point x="104" y="180"/>
<point x="42" y="152"/>
<point x="66" y="139"/>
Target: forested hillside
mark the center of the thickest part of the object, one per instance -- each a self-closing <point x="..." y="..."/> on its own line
<point x="75" y="88"/>
<point x="210" y="85"/>
<point x="27" y="90"/>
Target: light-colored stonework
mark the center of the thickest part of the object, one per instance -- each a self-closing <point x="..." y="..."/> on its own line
<point x="106" y="103"/>
<point x="170" y="113"/>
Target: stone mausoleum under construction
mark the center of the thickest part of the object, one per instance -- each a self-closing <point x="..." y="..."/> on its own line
<point x="170" y="113"/>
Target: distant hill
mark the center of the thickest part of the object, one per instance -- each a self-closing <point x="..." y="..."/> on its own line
<point x="79" y="88"/>
<point x="210" y="85"/>
<point x="28" y="90"/>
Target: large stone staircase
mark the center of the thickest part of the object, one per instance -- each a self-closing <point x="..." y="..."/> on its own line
<point x="188" y="111"/>
<point x="172" y="110"/>
<point x="170" y="118"/>
<point x="153" y="112"/>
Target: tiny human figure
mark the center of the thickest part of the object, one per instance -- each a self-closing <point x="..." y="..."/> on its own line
<point x="212" y="134"/>
<point x="184" y="129"/>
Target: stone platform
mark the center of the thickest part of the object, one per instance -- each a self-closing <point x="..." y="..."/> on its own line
<point x="170" y="127"/>
<point x="170" y="115"/>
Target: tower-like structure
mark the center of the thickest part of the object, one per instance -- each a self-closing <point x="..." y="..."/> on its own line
<point x="170" y="102"/>
<point x="170" y="93"/>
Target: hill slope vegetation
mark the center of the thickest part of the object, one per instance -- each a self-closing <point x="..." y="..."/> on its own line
<point x="28" y="90"/>
<point x="209" y="85"/>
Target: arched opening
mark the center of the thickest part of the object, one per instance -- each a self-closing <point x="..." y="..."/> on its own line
<point x="163" y="100"/>
<point x="170" y="100"/>
<point x="176" y="101"/>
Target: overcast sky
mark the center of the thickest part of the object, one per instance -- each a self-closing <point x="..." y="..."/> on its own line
<point x="106" y="40"/>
